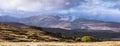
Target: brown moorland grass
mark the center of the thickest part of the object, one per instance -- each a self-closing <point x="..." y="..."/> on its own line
<point x="106" y="43"/>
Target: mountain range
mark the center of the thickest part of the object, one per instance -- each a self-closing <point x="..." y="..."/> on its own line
<point x="63" y="22"/>
<point x="16" y="28"/>
<point x="8" y="19"/>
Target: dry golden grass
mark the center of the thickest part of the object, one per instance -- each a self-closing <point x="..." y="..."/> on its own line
<point x="107" y="43"/>
<point x="18" y="34"/>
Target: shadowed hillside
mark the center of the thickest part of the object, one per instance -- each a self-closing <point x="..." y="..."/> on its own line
<point x="98" y="34"/>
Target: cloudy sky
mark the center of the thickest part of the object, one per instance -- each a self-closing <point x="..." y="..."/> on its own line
<point x="94" y="9"/>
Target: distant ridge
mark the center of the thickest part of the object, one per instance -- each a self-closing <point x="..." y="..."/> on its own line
<point x="54" y="21"/>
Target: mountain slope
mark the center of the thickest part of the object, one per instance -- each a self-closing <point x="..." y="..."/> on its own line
<point x="8" y="19"/>
<point x="95" y="25"/>
<point x="63" y="22"/>
<point x="18" y="34"/>
<point x="46" y="21"/>
<point x="58" y="22"/>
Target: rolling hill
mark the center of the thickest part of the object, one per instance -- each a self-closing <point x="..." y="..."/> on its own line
<point x="19" y="33"/>
<point x="10" y="33"/>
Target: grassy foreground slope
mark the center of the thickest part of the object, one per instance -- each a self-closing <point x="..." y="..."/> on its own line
<point x="109" y="43"/>
<point x="20" y="34"/>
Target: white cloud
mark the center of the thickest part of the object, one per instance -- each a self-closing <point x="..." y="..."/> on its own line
<point x="32" y="5"/>
<point x="101" y="8"/>
<point x="94" y="6"/>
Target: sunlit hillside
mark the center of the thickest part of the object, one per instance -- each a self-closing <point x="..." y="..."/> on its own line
<point x="22" y="34"/>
